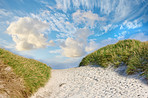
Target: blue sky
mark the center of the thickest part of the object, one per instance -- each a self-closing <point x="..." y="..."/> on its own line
<point x="61" y="32"/>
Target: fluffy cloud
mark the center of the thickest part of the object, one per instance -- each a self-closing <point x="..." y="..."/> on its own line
<point x="86" y="17"/>
<point x="73" y="48"/>
<point x="27" y="33"/>
<point x="139" y="36"/>
<point x="78" y="45"/>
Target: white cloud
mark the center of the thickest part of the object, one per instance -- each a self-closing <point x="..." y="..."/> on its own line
<point x="108" y="41"/>
<point x="121" y="27"/>
<point x="4" y="12"/>
<point x="122" y="10"/>
<point x="6" y="44"/>
<point x="82" y="34"/>
<point x="66" y="4"/>
<point x="56" y="51"/>
<point x="73" y="48"/>
<point x="61" y="62"/>
<point x="131" y="25"/>
<point x="121" y="35"/>
<point x="27" y="33"/>
<point x="57" y="22"/>
<point x="51" y="43"/>
<point x="92" y="45"/>
<point x="115" y="10"/>
<point x="59" y="6"/>
<point x="106" y="28"/>
<point x="43" y="2"/>
<point x="140" y="36"/>
<point x="144" y="18"/>
<point x="86" y="17"/>
<point x="78" y="45"/>
<point x="63" y="4"/>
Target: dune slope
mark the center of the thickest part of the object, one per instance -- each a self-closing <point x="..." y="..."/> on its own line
<point x="24" y="77"/>
<point x="132" y="53"/>
<point x="93" y="82"/>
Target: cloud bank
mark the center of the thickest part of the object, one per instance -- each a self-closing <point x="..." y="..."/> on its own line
<point x="27" y="33"/>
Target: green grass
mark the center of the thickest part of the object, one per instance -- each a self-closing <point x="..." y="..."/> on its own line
<point x="34" y="73"/>
<point x="132" y="53"/>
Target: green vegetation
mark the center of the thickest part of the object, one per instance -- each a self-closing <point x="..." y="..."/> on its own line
<point x="34" y="73"/>
<point x="132" y="53"/>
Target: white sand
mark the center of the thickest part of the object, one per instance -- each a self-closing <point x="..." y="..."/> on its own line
<point x="92" y="82"/>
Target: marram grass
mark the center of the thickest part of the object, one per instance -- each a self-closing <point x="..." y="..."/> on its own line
<point x="132" y="53"/>
<point x="34" y="73"/>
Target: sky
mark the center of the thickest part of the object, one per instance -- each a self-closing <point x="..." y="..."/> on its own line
<point x="61" y="32"/>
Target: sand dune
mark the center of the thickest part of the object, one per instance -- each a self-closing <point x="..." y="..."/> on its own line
<point x="93" y="82"/>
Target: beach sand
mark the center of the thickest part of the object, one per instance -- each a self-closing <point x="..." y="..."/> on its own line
<point x="93" y="82"/>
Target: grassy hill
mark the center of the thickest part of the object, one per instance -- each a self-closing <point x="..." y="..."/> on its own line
<point x="19" y="76"/>
<point x="132" y="53"/>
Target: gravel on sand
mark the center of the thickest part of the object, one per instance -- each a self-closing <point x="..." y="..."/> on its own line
<point x="93" y="82"/>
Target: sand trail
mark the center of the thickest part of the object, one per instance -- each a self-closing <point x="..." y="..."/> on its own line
<point x="92" y="82"/>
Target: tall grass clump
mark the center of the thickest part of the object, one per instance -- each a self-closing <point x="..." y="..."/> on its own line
<point x="34" y="73"/>
<point x="132" y="53"/>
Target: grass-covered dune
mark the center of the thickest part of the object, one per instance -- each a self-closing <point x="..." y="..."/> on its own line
<point x="20" y="77"/>
<point x="132" y="53"/>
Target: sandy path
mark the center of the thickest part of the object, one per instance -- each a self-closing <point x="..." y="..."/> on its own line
<point x="92" y="82"/>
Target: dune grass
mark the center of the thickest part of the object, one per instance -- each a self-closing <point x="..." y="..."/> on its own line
<point x="132" y="53"/>
<point x="10" y="84"/>
<point x="34" y="73"/>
